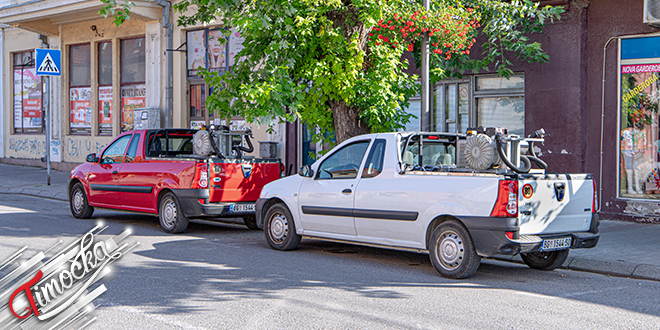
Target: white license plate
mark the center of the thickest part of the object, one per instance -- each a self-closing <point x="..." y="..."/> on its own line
<point x="238" y="208"/>
<point x="556" y="244"/>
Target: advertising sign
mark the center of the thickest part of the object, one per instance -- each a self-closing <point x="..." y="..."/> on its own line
<point x="132" y="97"/>
<point x="235" y="45"/>
<point x="105" y="110"/>
<point x="217" y="50"/>
<point x="196" y="44"/>
<point x="80" y="110"/>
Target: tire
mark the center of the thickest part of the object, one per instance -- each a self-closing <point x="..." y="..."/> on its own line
<point x="279" y="228"/>
<point x="452" y="251"/>
<point x="545" y="260"/>
<point x="250" y="221"/>
<point x="78" y="202"/>
<point x="170" y="215"/>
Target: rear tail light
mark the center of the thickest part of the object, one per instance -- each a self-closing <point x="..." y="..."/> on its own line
<point x="506" y="205"/>
<point x="201" y="178"/>
<point x="282" y="170"/>
<point x="594" y="204"/>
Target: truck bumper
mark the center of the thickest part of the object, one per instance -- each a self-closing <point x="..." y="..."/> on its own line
<point x="192" y="208"/>
<point x="489" y="237"/>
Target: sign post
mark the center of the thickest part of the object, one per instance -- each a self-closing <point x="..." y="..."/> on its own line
<point x="49" y="63"/>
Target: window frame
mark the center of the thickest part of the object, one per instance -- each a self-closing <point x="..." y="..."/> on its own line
<point x="105" y="130"/>
<point x="81" y="131"/>
<point x="122" y="85"/>
<point x="23" y="66"/>
<point x="357" y="171"/>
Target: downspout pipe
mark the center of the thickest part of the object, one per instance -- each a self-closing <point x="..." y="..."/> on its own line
<point x="602" y="123"/>
<point x="3" y="111"/>
<point x="169" y="60"/>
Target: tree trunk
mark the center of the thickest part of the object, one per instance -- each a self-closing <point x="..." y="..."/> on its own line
<point x="346" y="121"/>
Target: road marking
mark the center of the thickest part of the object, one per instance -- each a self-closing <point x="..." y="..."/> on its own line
<point x="10" y="210"/>
<point x="538" y="295"/>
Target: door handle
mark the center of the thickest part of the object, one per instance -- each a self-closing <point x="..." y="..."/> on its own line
<point x="114" y="172"/>
<point x="346" y="191"/>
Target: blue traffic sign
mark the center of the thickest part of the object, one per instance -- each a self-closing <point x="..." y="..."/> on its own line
<point x="48" y="62"/>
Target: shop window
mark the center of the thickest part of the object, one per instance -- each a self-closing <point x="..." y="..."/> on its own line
<point x="639" y="148"/>
<point x="105" y="87"/>
<point x="487" y="101"/>
<point x="133" y="88"/>
<point x="27" y="94"/>
<point x="197" y="98"/>
<point x="212" y="49"/>
<point x="80" y="91"/>
<point x="311" y="150"/>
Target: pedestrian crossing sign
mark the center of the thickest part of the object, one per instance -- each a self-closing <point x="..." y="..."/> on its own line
<point x="48" y="62"/>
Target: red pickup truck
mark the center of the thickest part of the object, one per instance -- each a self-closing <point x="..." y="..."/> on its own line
<point x="156" y="172"/>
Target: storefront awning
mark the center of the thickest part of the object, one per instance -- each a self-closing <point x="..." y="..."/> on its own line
<point x="45" y="16"/>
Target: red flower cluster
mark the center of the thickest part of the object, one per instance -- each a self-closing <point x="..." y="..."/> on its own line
<point x="450" y="31"/>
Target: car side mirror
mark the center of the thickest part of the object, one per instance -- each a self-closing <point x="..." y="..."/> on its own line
<point x="306" y="171"/>
<point x="92" y="158"/>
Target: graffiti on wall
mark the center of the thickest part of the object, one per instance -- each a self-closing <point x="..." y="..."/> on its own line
<point x="27" y="146"/>
<point x="76" y="148"/>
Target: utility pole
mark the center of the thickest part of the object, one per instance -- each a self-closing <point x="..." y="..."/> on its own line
<point x="425" y="76"/>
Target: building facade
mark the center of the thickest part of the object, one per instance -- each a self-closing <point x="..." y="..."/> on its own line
<point x="106" y="72"/>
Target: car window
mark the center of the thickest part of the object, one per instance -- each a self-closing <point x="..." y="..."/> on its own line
<point x="132" y="148"/>
<point x="115" y="152"/>
<point x="344" y="163"/>
<point x="374" y="164"/>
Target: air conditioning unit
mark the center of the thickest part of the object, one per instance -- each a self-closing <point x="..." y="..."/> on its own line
<point x="652" y="12"/>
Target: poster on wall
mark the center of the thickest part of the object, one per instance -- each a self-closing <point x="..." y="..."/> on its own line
<point x="31" y="108"/>
<point x="105" y="110"/>
<point x="132" y="97"/>
<point x="81" y="110"/>
<point x="18" y="100"/>
<point x="217" y="50"/>
<point x="196" y="53"/>
<point x="235" y="45"/>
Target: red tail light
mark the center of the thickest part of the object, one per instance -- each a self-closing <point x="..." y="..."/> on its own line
<point x="282" y="170"/>
<point x="594" y="203"/>
<point x="506" y="205"/>
<point x="201" y="178"/>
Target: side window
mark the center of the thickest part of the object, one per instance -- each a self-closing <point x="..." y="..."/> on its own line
<point x="132" y="148"/>
<point x="345" y="163"/>
<point x="115" y="152"/>
<point x="374" y="164"/>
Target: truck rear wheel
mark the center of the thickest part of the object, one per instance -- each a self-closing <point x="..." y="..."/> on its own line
<point x="452" y="252"/>
<point x="279" y="228"/>
<point x="250" y="221"/>
<point x="171" y="216"/>
<point x="545" y="260"/>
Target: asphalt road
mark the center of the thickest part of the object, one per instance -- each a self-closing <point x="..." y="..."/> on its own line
<point x="226" y="277"/>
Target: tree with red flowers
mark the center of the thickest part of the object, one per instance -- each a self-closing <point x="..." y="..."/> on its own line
<point x="337" y="64"/>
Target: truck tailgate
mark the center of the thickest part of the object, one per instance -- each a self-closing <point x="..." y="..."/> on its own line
<point x="240" y="180"/>
<point x="555" y="203"/>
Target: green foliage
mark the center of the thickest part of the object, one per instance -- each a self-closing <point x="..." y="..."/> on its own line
<point x="309" y="59"/>
<point x="119" y="11"/>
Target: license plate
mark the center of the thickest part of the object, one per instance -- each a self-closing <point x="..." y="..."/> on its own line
<point x="240" y="208"/>
<point x="556" y="244"/>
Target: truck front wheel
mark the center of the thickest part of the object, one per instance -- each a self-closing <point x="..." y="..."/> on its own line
<point x="452" y="252"/>
<point x="545" y="260"/>
<point x="171" y="216"/>
<point x="279" y="228"/>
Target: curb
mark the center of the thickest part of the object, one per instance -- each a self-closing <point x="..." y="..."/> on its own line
<point x="41" y="194"/>
<point x="619" y="269"/>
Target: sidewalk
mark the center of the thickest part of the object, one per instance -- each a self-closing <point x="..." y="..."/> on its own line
<point x="625" y="249"/>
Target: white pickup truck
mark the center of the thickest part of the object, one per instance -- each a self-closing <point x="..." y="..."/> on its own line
<point x="457" y="197"/>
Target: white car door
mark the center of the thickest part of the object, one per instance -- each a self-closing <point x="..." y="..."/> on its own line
<point x="326" y="200"/>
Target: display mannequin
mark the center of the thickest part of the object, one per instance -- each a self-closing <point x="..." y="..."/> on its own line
<point x="633" y="143"/>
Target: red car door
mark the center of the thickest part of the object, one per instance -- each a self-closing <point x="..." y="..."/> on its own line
<point x="102" y="178"/>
